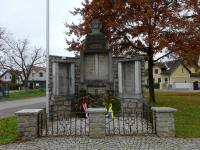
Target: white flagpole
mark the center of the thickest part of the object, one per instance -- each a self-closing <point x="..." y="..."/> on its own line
<point x="47" y="56"/>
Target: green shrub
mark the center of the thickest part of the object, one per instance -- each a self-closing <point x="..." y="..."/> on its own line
<point x="156" y="85"/>
<point x="13" y="86"/>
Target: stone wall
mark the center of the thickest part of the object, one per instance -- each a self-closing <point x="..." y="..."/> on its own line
<point x="28" y="123"/>
<point x="163" y="118"/>
<point x="63" y="102"/>
<point x="59" y="103"/>
<point x="130" y="104"/>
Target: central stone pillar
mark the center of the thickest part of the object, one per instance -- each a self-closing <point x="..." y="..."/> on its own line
<point x="97" y="122"/>
<point x="96" y="64"/>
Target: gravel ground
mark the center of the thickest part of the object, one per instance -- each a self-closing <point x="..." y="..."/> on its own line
<point x="108" y="143"/>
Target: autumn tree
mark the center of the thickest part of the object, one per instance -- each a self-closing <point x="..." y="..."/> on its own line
<point x="20" y="56"/>
<point x="139" y="27"/>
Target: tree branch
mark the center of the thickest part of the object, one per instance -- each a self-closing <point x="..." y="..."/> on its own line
<point x="163" y="56"/>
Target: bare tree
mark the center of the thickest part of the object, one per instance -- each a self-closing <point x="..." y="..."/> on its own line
<point x="2" y="31"/>
<point x="18" y="55"/>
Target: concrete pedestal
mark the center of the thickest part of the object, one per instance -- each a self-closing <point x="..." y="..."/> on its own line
<point x="28" y="123"/>
<point x="164" y="121"/>
<point x="97" y="122"/>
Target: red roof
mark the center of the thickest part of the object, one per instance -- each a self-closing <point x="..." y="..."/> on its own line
<point x="37" y="68"/>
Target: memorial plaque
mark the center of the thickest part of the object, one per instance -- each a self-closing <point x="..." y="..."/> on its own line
<point x="103" y="67"/>
<point x="63" y="79"/>
<point x="90" y="70"/>
<point x="129" y="78"/>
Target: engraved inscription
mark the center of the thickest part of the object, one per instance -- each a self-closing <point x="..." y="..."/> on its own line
<point x="90" y="67"/>
<point x="63" y="79"/>
<point x="129" y="78"/>
<point x="103" y="67"/>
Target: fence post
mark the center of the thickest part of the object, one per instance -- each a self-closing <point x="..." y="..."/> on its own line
<point x="163" y="118"/>
<point x="97" y="122"/>
<point x="28" y="122"/>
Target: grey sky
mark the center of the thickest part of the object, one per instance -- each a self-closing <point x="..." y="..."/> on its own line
<point x="26" y="18"/>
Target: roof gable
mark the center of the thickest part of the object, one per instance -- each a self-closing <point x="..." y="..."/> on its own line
<point x="170" y="66"/>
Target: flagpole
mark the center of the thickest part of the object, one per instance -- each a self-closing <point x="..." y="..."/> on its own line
<point x="47" y="56"/>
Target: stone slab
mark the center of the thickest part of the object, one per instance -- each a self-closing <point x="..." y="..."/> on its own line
<point x="97" y="110"/>
<point x="29" y="111"/>
<point x="163" y="109"/>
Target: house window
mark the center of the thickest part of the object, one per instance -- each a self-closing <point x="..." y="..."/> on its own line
<point x="41" y="74"/>
<point x="156" y="71"/>
<point x="159" y="80"/>
<point x="33" y="74"/>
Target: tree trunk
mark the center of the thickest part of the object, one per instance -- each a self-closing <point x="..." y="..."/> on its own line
<point x="151" y="80"/>
<point x="26" y="85"/>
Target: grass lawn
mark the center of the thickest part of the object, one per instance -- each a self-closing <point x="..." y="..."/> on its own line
<point x="187" y="118"/>
<point x="22" y="94"/>
<point x="8" y="130"/>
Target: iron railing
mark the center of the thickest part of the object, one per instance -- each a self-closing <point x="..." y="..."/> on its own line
<point x="63" y="124"/>
<point x="135" y="123"/>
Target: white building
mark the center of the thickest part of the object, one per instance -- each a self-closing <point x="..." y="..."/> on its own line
<point x="37" y="78"/>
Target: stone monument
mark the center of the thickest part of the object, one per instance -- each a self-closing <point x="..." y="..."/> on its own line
<point x="96" y="72"/>
<point x="96" y="63"/>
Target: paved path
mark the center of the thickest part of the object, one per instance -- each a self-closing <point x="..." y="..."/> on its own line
<point x="109" y="143"/>
<point x="8" y="108"/>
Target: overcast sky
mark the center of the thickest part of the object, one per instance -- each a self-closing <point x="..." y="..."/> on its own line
<point x="27" y="18"/>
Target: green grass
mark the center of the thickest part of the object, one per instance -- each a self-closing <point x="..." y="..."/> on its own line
<point x="187" y="117"/>
<point x="23" y="94"/>
<point x="8" y="130"/>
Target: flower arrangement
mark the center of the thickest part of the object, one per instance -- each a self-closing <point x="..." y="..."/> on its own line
<point x="112" y="104"/>
<point x="82" y="103"/>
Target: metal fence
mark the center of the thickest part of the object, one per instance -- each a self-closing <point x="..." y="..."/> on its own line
<point x="4" y="90"/>
<point x="63" y="124"/>
<point x="77" y="124"/>
<point x="135" y="123"/>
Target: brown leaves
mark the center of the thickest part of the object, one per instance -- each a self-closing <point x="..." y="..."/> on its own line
<point x="140" y="24"/>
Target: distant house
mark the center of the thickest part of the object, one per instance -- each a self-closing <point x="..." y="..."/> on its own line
<point x="7" y="76"/>
<point x="37" y="78"/>
<point x="175" y="75"/>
